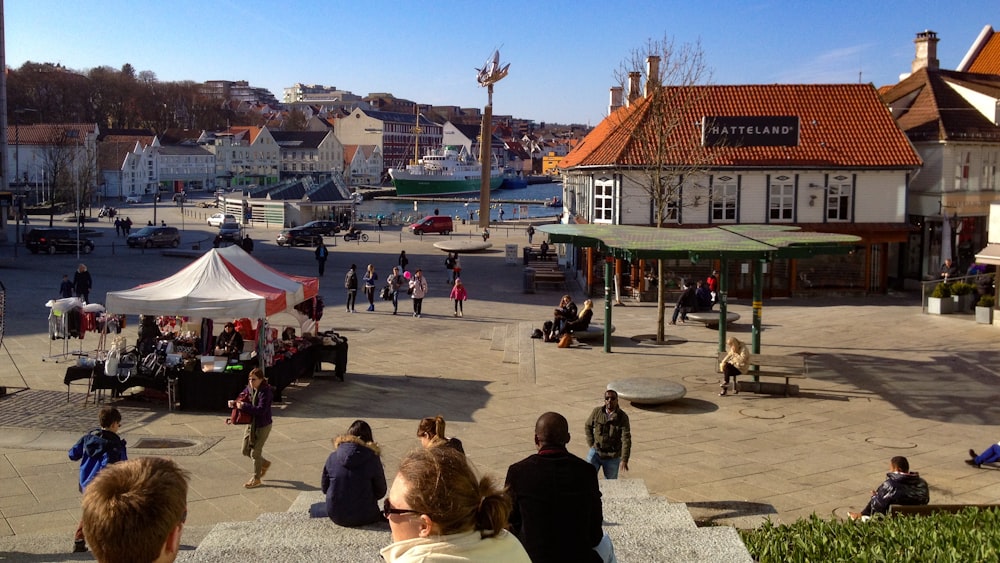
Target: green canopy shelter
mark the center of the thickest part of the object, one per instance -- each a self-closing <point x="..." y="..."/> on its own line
<point x="762" y="243"/>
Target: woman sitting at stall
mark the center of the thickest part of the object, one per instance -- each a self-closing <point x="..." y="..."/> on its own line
<point x="229" y="343"/>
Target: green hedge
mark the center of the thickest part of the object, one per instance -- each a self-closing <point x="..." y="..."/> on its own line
<point x="971" y="535"/>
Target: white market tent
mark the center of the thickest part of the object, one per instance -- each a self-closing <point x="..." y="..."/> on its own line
<point x="224" y="283"/>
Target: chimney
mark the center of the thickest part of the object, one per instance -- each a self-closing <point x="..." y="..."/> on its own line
<point x="652" y="73"/>
<point x="926" y="55"/>
<point x="616" y="99"/>
<point x="634" y="78"/>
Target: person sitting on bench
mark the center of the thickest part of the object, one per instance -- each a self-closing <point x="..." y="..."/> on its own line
<point x="582" y="322"/>
<point x="900" y="487"/>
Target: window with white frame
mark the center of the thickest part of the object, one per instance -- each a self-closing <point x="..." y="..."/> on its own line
<point x="989" y="180"/>
<point x="724" y="200"/>
<point x="604" y="201"/>
<point x="962" y="171"/>
<point x="838" y="199"/>
<point x="782" y="199"/>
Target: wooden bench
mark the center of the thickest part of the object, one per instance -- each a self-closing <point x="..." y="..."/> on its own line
<point x="926" y="509"/>
<point x="556" y="278"/>
<point x="786" y="367"/>
<point x="534" y="252"/>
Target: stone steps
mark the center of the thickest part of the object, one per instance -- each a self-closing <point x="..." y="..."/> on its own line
<point x="642" y="527"/>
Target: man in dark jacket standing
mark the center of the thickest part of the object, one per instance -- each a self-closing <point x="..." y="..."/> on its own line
<point x="557" y="502"/>
<point x="82" y="282"/>
<point x="900" y="487"/>
<point x="609" y="437"/>
<point x="321" y="254"/>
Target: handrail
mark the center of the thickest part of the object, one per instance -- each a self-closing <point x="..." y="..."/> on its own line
<point x="927" y="286"/>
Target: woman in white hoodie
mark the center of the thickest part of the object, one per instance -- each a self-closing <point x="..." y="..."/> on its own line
<point x="439" y="511"/>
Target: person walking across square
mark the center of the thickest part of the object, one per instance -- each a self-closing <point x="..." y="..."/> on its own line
<point x="609" y="437"/>
<point x="96" y="450"/>
<point x="321" y="255"/>
<point x="351" y="285"/>
<point x="459" y="295"/>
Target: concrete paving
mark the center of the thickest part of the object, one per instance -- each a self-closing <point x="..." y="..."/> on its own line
<point x="884" y="380"/>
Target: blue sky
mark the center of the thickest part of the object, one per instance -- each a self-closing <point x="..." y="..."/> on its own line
<point x="562" y="54"/>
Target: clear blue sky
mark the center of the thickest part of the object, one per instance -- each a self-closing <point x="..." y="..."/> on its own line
<point x="563" y="54"/>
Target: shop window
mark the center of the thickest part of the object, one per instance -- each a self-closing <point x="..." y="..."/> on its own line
<point x="838" y="202"/>
<point x="724" y="200"/>
<point x="989" y="180"/>
<point x="781" y="200"/>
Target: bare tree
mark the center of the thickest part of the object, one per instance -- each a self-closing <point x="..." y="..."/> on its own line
<point x="665" y="149"/>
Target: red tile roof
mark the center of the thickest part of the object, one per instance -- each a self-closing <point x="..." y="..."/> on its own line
<point x="841" y="126"/>
<point x="928" y="107"/>
<point x="987" y="60"/>
<point x="49" y="133"/>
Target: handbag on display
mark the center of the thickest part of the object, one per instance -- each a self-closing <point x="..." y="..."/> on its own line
<point x="238" y="416"/>
<point x="565" y="341"/>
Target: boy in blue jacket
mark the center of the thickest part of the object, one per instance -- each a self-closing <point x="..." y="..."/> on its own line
<point x="95" y="450"/>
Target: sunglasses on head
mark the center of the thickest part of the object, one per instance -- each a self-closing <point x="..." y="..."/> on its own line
<point x="388" y="510"/>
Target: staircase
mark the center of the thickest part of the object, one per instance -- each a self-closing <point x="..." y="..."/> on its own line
<point x="642" y="528"/>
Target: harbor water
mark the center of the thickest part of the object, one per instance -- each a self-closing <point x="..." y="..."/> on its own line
<point x="406" y="212"/>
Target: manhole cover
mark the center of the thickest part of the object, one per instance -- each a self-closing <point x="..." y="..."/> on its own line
<point x="890" y="443"/>
<point x="163" y="443"/>
<point x="762" y="414"/>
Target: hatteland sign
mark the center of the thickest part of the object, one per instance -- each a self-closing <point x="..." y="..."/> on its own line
<point x="750" y="131"/>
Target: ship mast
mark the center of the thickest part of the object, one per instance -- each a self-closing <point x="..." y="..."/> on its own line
<point x="416" y="136"/>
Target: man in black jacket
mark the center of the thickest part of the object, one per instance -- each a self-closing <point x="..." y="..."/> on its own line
<point x="900" y="487"/>
<point x="557" y="502"/>
<point x="685" y="304"/>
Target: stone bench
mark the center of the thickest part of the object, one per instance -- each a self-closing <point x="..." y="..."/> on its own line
<point x="785" y="367"/>
<point x="647" y="390"/>
<point x="593" y="332"/>
<point x="711" y="318"/>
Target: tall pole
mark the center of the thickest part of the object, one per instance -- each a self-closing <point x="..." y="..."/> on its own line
<point x="484" y="160"/>
<point x="491" y="73"/>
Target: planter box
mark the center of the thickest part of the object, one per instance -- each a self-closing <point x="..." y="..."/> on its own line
<point x="939" y="306"/>
<point x="984" y="315"/>
<point x="963" y="303"/>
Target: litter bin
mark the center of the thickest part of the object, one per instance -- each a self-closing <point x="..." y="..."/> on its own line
<point x="526" y="254"/>
<point x="529" y="280"/>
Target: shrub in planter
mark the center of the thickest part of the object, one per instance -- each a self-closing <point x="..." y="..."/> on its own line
<point x="985" y="301"/>
<point x="962" y="288"/>
<point x="941" y="291"/>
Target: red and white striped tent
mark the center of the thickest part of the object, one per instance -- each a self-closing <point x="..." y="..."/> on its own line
<point x="225" y="283"/>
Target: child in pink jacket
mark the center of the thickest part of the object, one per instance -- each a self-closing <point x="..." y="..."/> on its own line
<point x="458" y="295"/>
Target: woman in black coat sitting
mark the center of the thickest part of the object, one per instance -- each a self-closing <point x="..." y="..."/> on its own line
<point x="353" y="478"/>
<point x="582" y="322"/>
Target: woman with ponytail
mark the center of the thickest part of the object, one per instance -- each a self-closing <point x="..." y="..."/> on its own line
<point x="438" y="510"/>
<point x="431" y="434"/>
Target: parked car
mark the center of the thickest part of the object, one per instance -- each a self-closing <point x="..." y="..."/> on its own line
<point x="56" y="239"/>
<point x="230" y="232"/>
<point x="149" y="237"/>
<point x="133" y="199"/>
<point x="325" y="228"/>
<point x="298" y="237"/>
<point x="433" y="224"/>
<point x="218" y="219"/>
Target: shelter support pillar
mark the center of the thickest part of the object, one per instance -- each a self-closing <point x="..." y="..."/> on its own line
<point x="723" y="302"/>
<point x="608" y="261"/>
<point x="758" y="304"/>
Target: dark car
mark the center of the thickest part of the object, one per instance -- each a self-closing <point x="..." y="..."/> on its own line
<point x="298" y="237"/>
<point x="55" y="239"/>
<point x="230" y="232"/>
<point x="149" y="237"/>
<point x="325" y="228"/>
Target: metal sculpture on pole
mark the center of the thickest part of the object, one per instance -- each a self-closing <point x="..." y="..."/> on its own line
<point x="491" y="73"/>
